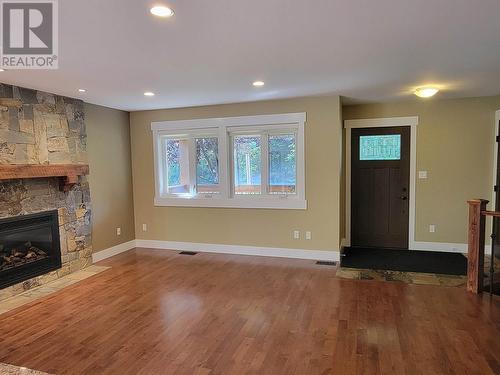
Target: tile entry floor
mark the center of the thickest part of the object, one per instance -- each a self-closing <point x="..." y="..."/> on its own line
<point x="405" y="277"/>
<point x="6" y="369"/>
<point x="413" y="277"/>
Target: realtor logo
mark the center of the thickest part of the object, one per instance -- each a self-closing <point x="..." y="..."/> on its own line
<point x="29" y="34"/>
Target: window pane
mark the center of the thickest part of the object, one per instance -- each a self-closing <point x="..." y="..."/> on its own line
<point x="247" y="162"/>
<point x="282" y="164"/>
<point x="380" y="147"/>
<point x="207" y="165"/>
<point x="177" y="166"/>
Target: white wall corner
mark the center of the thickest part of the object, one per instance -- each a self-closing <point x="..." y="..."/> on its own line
<point x="112" y="251"/>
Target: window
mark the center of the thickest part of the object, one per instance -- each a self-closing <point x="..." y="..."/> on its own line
<point x="246" y="162"/>
<point x="177" y="166"/>
<point x="187" y="173"/>
<point x="380" y="147"/>
<point x="259" y="173"/>
<point x="207" y="165"/>
<point x="282" y="164"/>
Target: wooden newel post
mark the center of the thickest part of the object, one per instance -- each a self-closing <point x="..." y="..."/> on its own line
<point x="475" y="260"/>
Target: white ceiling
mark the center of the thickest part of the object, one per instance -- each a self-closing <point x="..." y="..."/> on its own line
<point x="211" y="51"/>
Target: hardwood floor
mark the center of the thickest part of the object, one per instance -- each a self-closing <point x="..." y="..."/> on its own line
<point x="157" y="312"/>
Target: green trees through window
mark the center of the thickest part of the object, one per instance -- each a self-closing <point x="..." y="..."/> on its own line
<point x="247" y="164"/>
<point x="207" y="165"/>
<point x="173" y="163"/>
<point x="282" y="164"/>
<point x="242" y="162"/>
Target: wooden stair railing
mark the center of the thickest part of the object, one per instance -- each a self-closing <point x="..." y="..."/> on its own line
<point x="476" y="242"/>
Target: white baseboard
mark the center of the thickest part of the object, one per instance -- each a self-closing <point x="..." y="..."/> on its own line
<point x="329" y="255"/>
<point x="241" y="250"/>
<point x="446" y="247"/>
<point x="115" y="250"/>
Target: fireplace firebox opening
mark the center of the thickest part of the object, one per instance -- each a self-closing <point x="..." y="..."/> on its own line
<point x="29" y="247"/>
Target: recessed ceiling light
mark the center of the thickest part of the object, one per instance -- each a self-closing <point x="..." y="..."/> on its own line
<point x="258" y="83"/>
<point x="162" y="11"/>
<point x="2" y="70"/>
<point x="82" y="90"/>
<point x="149" y="93"/>
<point x="426" y="92"/>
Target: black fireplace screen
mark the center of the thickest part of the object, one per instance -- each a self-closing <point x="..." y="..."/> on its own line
<point x="29" y="247"/>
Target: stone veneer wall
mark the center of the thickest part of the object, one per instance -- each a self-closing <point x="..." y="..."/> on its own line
<point x="42" y="128"/>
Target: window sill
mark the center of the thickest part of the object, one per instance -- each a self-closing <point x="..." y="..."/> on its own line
<point x="278" y="204"/>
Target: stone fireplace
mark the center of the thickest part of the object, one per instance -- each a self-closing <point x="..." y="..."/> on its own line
<point x="42" y="132"/>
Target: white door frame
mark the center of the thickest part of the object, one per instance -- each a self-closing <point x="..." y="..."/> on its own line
<point x="412" y="122"/>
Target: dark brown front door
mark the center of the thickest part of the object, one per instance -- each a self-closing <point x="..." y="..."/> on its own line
<point x="380" y="174"/>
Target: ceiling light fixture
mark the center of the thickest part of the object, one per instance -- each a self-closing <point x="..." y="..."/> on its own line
<point x="149" y="93"/>
<point x="162" y="11"/>
<point x="258" y="83"/>
<point x="2" y="70"/>
<point x="426" y="92"/>
<point x="82" y="90"/>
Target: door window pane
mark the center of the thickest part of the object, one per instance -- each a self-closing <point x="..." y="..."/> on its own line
<point x="177" y="166"/>
<point x="247" y="164"/>
<point x="207" y="165"/>
<point x="380" y="147"/>
<point x="282" y="164"/>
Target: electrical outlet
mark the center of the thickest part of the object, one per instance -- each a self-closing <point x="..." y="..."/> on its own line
<point x="144" y="227"/>
<point x="118" y="231"/>
<point x="296" y="234"/>
<point x="308" y="235"/>
<point x="432" y="228"/>
<point x="422" y="175"/>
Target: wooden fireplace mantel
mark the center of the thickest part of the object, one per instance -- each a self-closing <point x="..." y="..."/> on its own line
<point x="67" y="173"/>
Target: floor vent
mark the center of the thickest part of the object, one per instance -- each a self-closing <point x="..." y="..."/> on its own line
<point x="188" y="253"/>
<point x="326" y="263"/>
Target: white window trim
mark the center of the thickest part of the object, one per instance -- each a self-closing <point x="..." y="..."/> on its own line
<point x="225" y="127"/>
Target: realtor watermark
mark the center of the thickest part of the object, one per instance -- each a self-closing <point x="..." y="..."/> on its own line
<point x="29" y="34"/>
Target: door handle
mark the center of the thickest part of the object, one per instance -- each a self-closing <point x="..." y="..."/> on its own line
<point x="403" y="197"/>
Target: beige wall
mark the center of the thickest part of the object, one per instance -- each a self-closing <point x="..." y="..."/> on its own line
<point x="253" y="227"/>
<point x="108" y="146"/>
<point x="455" y="145"/>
